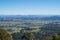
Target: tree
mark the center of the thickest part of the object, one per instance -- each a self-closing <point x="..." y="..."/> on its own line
<point x="53" y="36"/>
<point x="4" y="35"/>
<point x="47" y="37"/>
<point x="28" y="36"/>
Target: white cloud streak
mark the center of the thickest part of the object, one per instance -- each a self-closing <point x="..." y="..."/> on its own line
<point x="29" y="12"/>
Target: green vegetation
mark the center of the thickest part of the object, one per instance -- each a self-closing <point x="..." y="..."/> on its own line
<point x="34" y="30"/>
<point x="4" y="35"/>
<point x="53" y="36"/>
<point x="13" y="27"/>
<point x="28" y="36"/>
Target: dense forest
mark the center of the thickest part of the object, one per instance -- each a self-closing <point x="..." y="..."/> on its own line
<point x="26" y="36"/>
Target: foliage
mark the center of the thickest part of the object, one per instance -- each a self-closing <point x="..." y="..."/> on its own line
<point x="28" y="36"/>
<point x="4" y="35"/>
<point x="53" y="36"/>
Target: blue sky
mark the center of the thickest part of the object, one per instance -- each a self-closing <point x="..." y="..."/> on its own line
<point x="29" y="7"/>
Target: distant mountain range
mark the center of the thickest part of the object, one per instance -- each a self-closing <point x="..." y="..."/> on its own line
<point x="27" y="17"/>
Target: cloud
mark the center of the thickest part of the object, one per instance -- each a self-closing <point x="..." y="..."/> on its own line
<point x="29" y="12"/>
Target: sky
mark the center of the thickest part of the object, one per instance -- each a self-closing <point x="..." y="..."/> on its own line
<point x="29" y="7"/>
